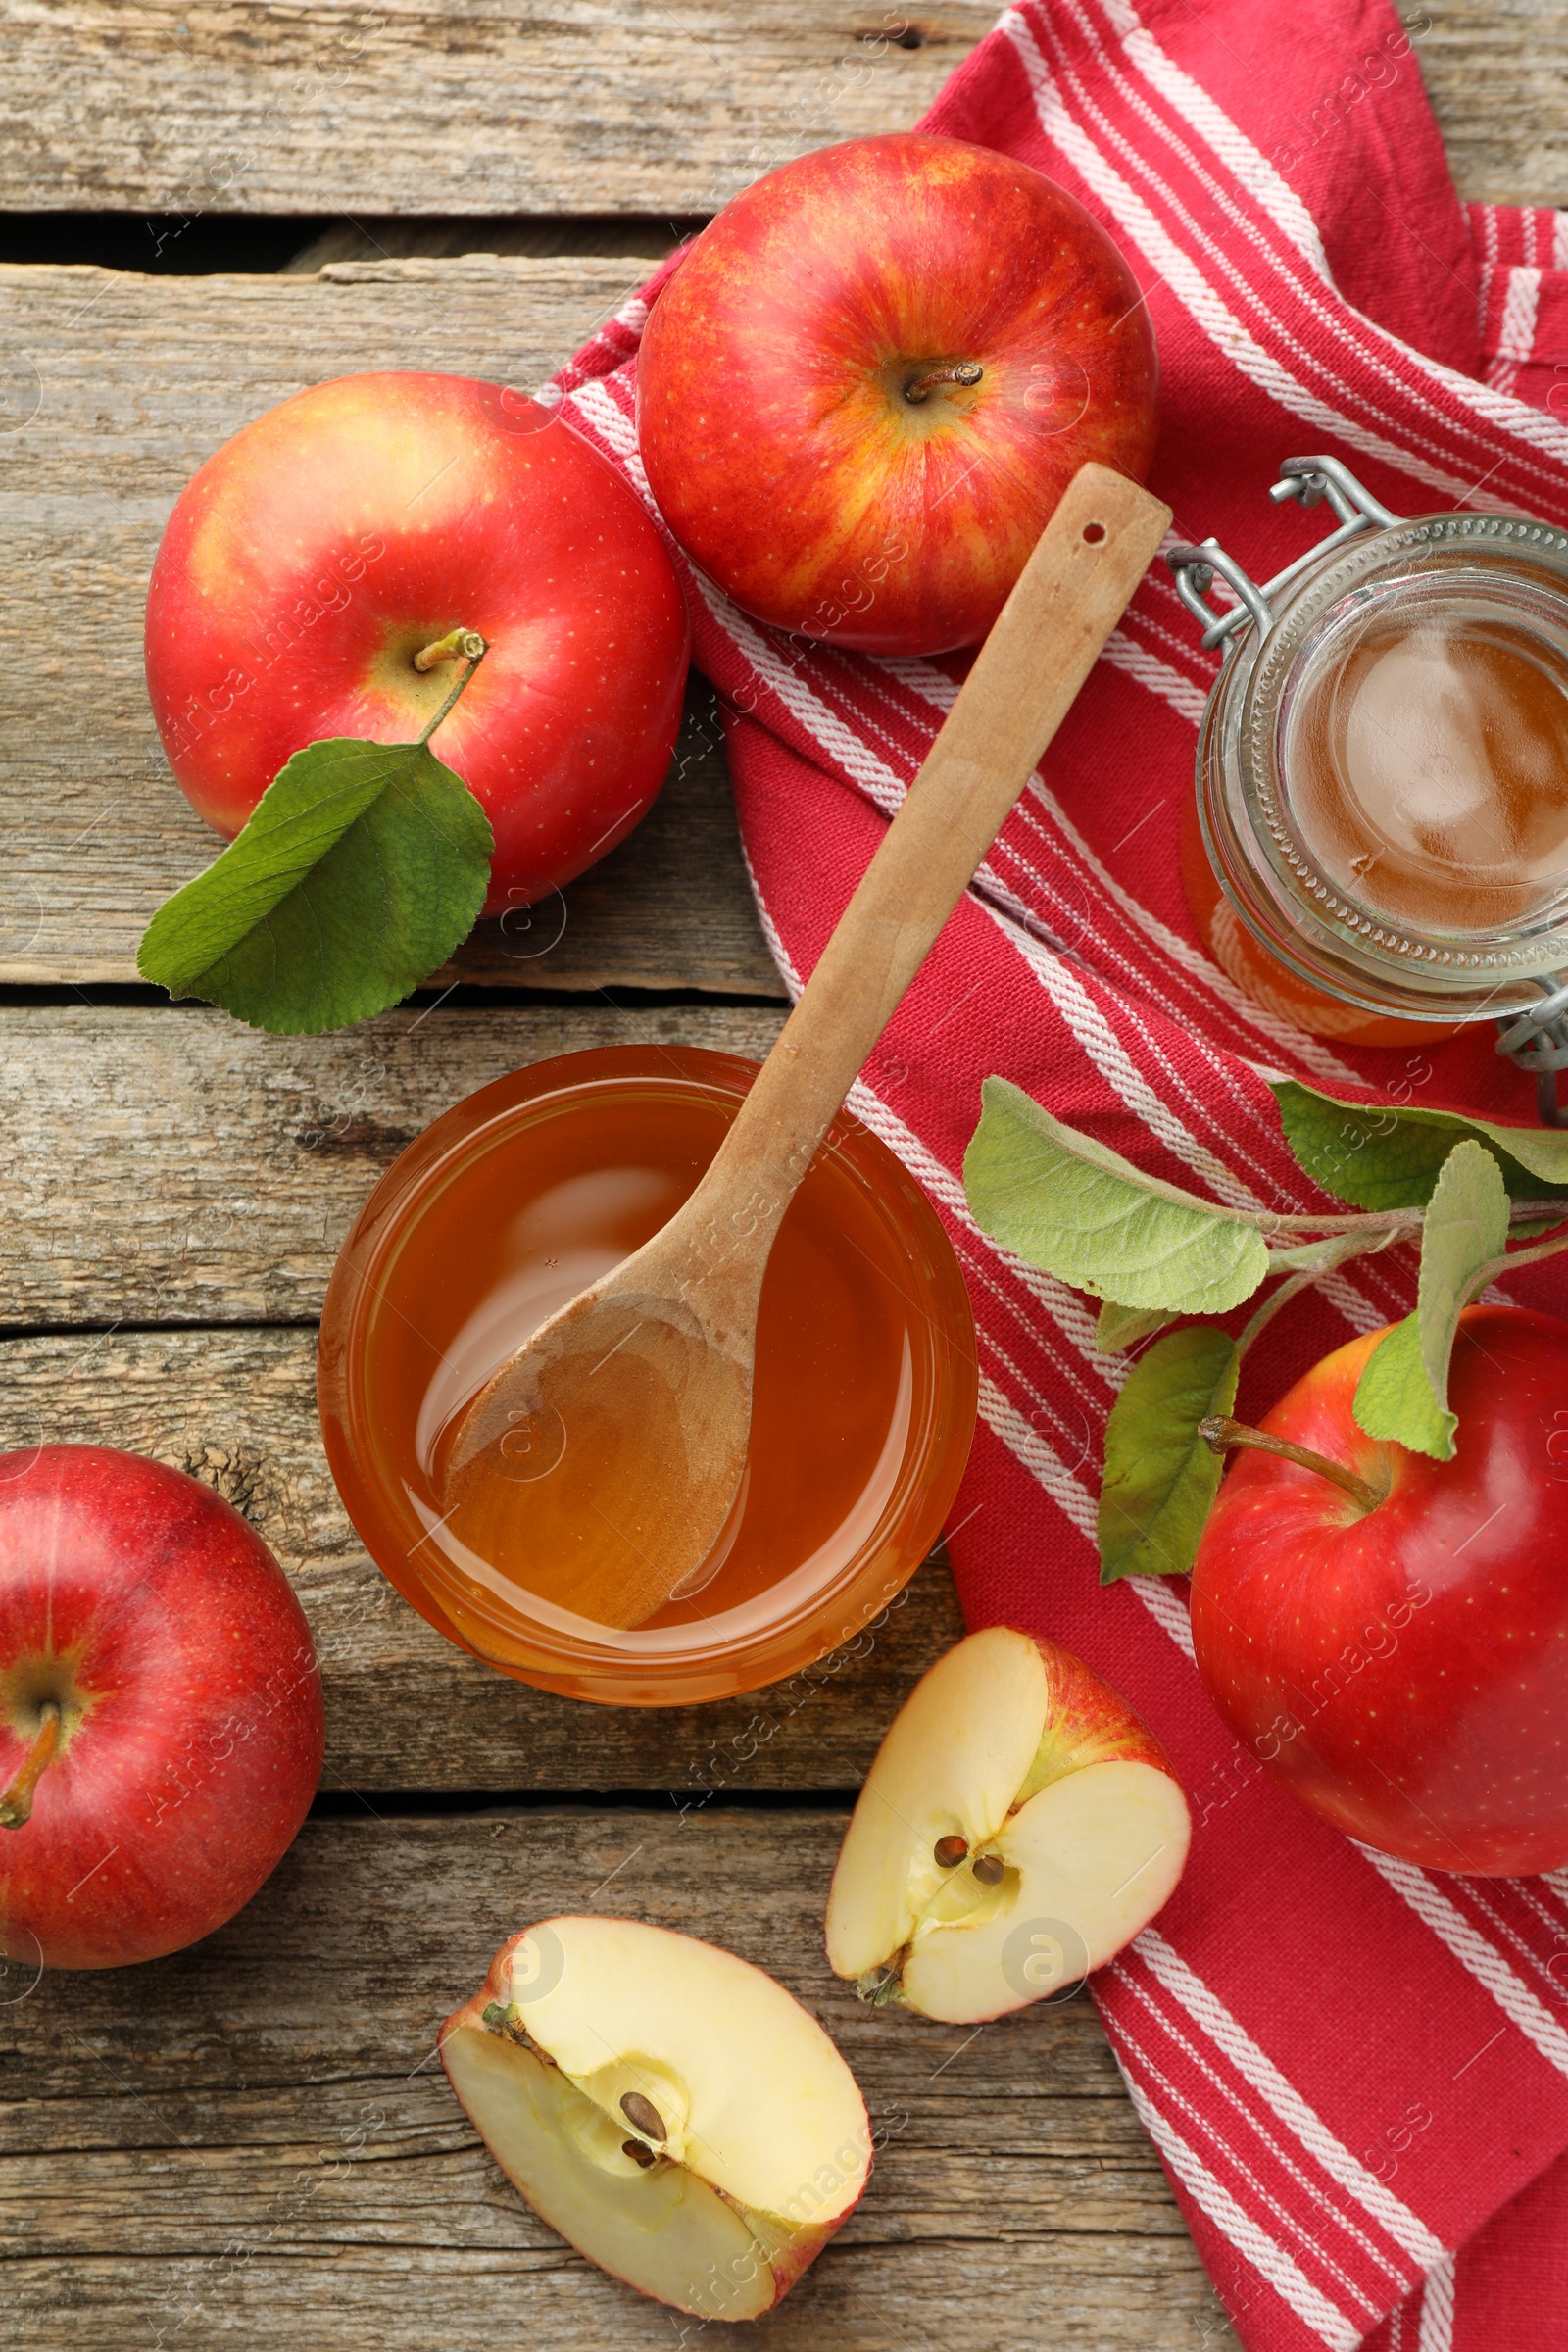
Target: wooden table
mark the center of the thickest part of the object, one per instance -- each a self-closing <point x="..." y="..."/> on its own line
<point x="252" y="2142"/>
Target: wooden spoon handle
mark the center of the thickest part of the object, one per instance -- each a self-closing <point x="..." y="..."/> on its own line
<point x="1067" y="600"/>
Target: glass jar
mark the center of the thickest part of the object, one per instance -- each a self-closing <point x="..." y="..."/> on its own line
<point x="1380" y="845"/>
<point x="866" y="1384"/>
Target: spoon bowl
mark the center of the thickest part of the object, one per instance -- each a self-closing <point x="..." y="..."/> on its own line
<point x="611" y="1446"/>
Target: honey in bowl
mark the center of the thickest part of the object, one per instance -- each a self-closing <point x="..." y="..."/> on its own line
<point x="863" y="1407"/>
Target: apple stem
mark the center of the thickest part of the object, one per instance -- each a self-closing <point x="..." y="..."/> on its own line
<point x="1219" y="1433"/>
<point x="962" y="371"/>
<point x="458" y="644"/>
<point x="17" y="1802"/>
<point x="472" y="650"/>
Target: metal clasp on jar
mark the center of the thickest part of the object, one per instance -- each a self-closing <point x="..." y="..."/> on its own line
<point x="1536" y="1040"/>
<point x="1309" y="480"/>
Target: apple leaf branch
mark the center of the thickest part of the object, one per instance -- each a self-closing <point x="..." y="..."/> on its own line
<point x="1153" y="1252"/>
<point x="361" y="867"/>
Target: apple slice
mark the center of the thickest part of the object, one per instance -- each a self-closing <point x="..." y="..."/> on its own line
<point x="1019" y="1827"/>
<point x="670" y="2110"/>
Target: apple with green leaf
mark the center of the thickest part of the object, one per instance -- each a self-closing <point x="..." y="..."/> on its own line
<point x="1377" y="1606"/>
<point x="453" y="635"/>
<point x="1387" y="1631"/>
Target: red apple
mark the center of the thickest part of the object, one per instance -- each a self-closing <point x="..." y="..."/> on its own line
<point x="1403" y="1669"/>
<point x="161" y="1728"/>
<point x="791" y="409"/>
<point x="324" y="546"/>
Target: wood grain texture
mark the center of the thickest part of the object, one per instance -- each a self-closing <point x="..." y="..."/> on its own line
<point x="452" y="107"/>
<point x="253" y="2141"/>
<point x="404" y="1708"/>
<point x="134" y="380"/>
<point x="176" y="1168"/>
<point x="448" y="105"/>
<point x="1496" y="71"/>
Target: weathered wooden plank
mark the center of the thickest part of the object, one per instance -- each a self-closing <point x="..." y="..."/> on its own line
<point x="253" y="2140"/>
<point x="405" y="1709"/>
<point x="141" y="377"/>
<point x="171" y="1166"/>
<point x="448" y="105"/>
<point x="1494" y="70"/>
<point x="136" y="380"/>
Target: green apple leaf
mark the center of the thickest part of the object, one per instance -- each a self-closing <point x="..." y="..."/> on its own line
<point x="1380" y="1156"/>
<point x="1119" y="1327"/>
<point x="1161" y="1476"/>
<point x="1073" y="1207"/>
<point x="1404" y="1392"/>
<point x="362" y="866"/>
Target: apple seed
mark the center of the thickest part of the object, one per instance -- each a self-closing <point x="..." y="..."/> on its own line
<point x="989" y="1869"/>
<point x="950" y="1851"/>
<point x="643" y="2116"/>
<point x="638" y="2153"/>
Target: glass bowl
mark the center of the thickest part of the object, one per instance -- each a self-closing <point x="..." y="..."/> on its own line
<point x="865" y="1386"/>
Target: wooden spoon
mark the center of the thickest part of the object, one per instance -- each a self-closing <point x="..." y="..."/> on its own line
<point x="599" y="1464"/>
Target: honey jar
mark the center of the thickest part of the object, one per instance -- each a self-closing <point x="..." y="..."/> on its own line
<point x="1379" y="843"/>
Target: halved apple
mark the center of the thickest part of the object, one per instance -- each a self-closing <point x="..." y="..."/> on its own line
<point x="670" y="2110"/>
<point x="1019" y="1825"/>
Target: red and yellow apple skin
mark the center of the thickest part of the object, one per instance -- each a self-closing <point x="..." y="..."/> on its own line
<point x="772" y="406"/>
<point x="191" y="1729"/>
<point x="311" y="559"/>
<point x="1404" y="1671"/>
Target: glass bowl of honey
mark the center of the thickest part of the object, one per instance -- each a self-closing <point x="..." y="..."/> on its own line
<point x="1382" y="803"/>
<point x="865" y="1383"/>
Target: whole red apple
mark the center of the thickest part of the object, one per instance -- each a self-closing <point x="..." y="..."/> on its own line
<point x="318" y="553"/>
<point x="161" y="1726"/>
<point x="1403" y="1670"/>
<point x="865" y="388"/>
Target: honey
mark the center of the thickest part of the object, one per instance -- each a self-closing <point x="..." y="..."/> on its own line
<point x="862" y="1404"/>
<point x="1266" y="978"/>
<point x="1428" y="766"/>
<point x="1379" y="847"/>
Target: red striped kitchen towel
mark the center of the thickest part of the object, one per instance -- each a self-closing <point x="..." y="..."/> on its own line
<point x="1354" y="2070"/>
